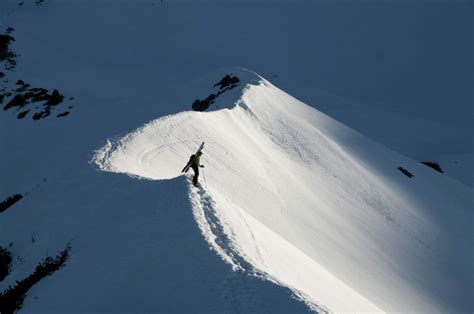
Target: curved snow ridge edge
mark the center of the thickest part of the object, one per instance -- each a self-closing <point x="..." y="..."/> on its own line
<point x="221" y="240"/>
<point x="106" y="157"/>
<point x="212" y="229"/>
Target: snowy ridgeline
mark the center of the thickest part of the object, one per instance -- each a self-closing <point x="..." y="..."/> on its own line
<point x="313" y="205"/>
<point x="296" y="204"/>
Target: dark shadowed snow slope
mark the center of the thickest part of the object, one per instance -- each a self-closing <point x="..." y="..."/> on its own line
<point x="136" y="248"/>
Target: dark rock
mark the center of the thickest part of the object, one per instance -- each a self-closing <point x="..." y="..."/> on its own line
<point x="29" y="95"/>
<point x="22" y="88"/>
<point x="46" y="113"/>
<point x="201" y="105"/>
<point x="38" y="90"/>
<point x="17" y="101"/>
<point x="406" y="172"/>
<point x="55" y="99"/>
<point x="11" y="300"/>
<point x="10" y="201"/>
<point x="2" y="75"/>
<point x="228" y="81"/>
<point x="39" y="97"/>
<point x="1" y="98"/>
<point x="37" y="116"/>
<point x="10" y="30"/>
<point x="36" y="94"/>
<point x="23" y="114"/>
<point x="41" y="115"/>
<point x="25" y="95"/>
<point x="5" y="52"/>
<point x="5" y="262"/>
<point x="433" y="165"/>
<point x="63" y="114"/>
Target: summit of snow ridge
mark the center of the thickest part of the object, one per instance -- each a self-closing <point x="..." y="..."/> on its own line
<point x="217" y="90"/>
<point x="314" y="205"/>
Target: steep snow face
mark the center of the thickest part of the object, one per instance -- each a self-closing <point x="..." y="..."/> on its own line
<point x="315" y="206"/>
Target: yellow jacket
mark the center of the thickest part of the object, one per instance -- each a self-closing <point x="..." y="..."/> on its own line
<point x="197" y="161"/>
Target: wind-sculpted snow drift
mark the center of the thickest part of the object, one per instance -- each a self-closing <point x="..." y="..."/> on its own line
<point x="313" y="205"/>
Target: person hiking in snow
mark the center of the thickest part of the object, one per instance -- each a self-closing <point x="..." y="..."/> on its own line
<point x="196" y="164"/>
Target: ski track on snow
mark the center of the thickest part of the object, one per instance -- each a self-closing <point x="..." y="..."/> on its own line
<point x="212" y="229"/>
<point x="219" y="238"/>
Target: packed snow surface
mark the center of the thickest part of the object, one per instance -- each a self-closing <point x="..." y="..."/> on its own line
<point x="314" y="205"/>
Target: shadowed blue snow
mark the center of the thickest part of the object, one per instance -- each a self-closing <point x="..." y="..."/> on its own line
<point x="149" y="256"/>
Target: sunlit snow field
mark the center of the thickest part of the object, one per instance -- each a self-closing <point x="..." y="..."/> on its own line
<point x="301" y="205"/>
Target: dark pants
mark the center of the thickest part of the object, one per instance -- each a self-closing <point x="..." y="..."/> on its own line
<point x="196" y="174"/>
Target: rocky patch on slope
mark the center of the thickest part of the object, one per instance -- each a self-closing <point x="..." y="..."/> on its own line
<point x="227" y="83"/>
<point x="433" y="165"/>
<point x="5" y="262"/>
<point x="12" y="299"/>
<point x="6" y="54"/>
<point x="25" y="99"/>
<point x="406" y="172"/>
<point x="10" y="201"/>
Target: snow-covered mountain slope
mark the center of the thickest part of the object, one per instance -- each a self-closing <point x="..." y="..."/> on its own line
<point x="389" y="70"/>
<point x="135" y="248"/>
<point x="316" y="206"/>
